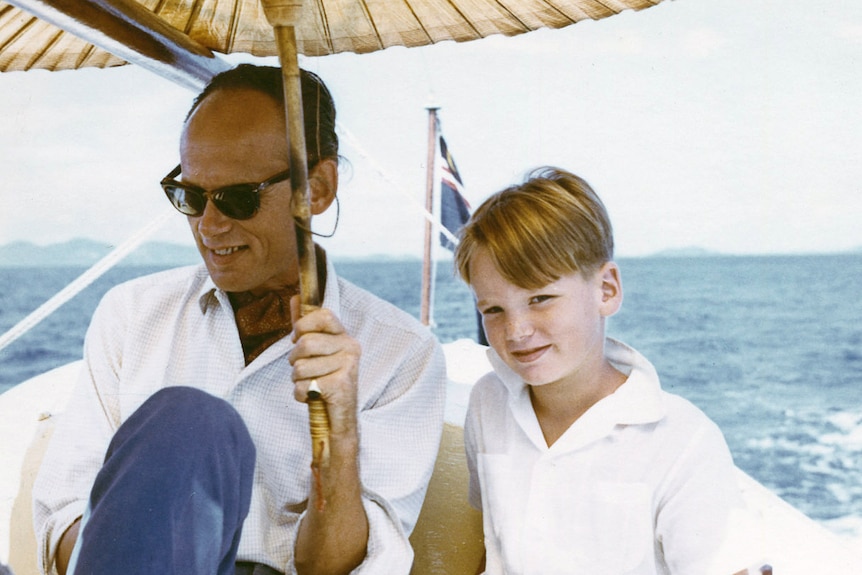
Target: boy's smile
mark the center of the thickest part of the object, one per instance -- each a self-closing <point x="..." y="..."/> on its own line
<point x="530" y="355"/>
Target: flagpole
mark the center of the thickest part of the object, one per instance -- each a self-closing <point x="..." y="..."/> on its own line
<point x="425" y="310"/>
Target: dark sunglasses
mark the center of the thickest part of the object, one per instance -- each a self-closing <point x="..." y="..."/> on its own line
<point x="237" y="201"/>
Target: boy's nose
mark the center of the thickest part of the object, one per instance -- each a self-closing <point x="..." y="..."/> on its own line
<point x="518" y="327"/>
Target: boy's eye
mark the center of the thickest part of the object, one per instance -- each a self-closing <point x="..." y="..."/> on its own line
<point x="540" y="298"/>
<point x="491" y="310"/>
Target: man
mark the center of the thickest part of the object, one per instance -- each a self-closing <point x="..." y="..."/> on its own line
<point x="181" y="489"/>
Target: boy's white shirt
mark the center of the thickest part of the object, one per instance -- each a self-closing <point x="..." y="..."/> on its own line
<point x="642" y="483"/>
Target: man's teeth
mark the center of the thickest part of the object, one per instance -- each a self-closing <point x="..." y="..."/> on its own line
<point x="226" y="251"/>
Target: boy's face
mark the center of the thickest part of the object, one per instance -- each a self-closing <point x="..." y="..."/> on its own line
<point x="554" y="334"/>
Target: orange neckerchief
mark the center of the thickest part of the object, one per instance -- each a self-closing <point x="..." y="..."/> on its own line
<point x="262" y="320"/>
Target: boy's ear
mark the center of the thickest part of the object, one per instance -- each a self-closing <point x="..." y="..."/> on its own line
<point x="323" y="185"/>
<point x="611" y="289"/>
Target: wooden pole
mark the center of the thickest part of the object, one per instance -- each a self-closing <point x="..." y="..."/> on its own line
<point x="425" y="310"/>
<point x="283" y="16"/>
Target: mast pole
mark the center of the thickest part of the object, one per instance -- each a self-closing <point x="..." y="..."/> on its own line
<point x="425" y="310"/>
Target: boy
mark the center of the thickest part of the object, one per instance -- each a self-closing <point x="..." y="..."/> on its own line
<point x="578" y="460"/>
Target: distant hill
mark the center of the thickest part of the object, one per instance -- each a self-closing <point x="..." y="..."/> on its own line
<point x="698" y="252"/>
<point x="83" y="252"/>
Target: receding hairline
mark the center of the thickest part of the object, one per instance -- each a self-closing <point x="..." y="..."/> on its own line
<point x="222" y="94"/>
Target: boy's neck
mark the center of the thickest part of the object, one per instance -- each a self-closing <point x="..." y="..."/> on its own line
<point x="558" y="405"/>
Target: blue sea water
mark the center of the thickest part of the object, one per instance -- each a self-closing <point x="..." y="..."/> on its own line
<point x="769" y="347"/>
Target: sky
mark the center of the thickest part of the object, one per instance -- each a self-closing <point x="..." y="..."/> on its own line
<point x="728" y="125"/>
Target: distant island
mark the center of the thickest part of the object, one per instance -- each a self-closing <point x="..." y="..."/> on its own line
<point x="82" y="252"/>
<point x="85" y="252"/>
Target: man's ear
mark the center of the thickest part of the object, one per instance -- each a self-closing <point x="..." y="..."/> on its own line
<point x="612" y="289"/>
<point x="323" y="184"/>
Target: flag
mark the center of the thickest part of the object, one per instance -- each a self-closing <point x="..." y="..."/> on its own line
<point x="454" y="209"/>
<point x="454" y="213"/>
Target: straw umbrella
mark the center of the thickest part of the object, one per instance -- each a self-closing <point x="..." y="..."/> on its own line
<point x="50" y="34"/>
<point x="176" y="39"/>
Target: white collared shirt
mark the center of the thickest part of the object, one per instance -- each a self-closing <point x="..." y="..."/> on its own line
<point x="177" y="328"/>
<point x="642" y="483"/>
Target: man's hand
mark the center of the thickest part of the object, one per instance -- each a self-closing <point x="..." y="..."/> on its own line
<point x="333" y="535"/>
<point x="326" y="353"/>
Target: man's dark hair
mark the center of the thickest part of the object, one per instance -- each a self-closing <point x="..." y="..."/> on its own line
<point x="318" y="107"/>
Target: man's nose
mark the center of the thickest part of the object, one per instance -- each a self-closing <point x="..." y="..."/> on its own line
<point x="212" y="222"/>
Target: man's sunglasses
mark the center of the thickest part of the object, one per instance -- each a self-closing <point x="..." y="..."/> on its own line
<point x="237" y="201"/>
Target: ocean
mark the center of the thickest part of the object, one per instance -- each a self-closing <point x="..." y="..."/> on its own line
<point x="769" y="347"/>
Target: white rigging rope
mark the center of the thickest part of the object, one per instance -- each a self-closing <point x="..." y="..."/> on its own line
<point x="435" y="220"/>
<point x="85" y="279"/>
<point x="133" y="242"/>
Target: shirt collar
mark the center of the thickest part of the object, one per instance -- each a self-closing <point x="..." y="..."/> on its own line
<point x="637" y="401"/>
<point x="209" y="294"/>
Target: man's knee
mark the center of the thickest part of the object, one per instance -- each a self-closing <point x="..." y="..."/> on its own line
<point x="189" y="408"/>
<point x="184" y="421"/>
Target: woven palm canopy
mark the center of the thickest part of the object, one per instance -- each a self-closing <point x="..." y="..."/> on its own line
<point x="28" y="42"/>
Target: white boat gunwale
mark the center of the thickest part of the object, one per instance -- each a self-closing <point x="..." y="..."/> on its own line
<point x="449" y="531"/>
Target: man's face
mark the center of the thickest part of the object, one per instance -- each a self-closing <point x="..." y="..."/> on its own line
<point x="233" y="137"/>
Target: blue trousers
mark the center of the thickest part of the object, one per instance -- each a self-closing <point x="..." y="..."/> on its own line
<point x="173" y="492"/>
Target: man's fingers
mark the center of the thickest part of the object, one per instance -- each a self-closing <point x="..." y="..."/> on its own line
<point x="321" y="320"/>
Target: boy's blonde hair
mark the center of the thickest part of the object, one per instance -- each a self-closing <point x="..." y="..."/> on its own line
<point x="551" y="225"/>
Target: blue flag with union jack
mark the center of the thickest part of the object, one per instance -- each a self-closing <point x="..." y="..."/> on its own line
<point x="454" y="209"/>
